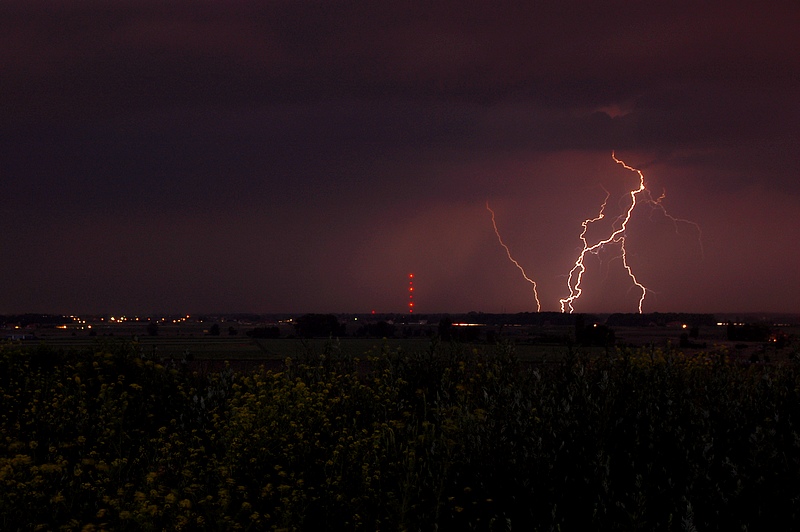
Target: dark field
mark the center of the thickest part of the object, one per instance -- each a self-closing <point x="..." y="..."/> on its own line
<point x="365" y="434"/>
<point x="531" y="344"/>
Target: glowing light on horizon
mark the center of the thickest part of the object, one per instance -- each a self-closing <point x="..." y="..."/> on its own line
<point x="517" y="264"/>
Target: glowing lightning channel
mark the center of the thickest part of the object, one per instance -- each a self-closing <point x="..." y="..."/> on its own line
<point x="520" y="268"/>
<point x="656" y="203"/>
<point x="617" y="237"/>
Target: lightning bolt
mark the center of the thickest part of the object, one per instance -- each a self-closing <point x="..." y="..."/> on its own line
<point x="638" y="195"/>
<point x="617" y="237"/>
<point x="656" y="204"/>
<point x="517" y="264"/>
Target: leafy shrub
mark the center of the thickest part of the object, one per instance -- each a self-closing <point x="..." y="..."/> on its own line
<point x="451" y="437"/>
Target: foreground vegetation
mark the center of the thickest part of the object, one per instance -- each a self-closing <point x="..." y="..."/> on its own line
<point x="107" y="438"/>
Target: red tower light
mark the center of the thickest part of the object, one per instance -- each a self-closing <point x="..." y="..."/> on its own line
<point x="410" y="293"/>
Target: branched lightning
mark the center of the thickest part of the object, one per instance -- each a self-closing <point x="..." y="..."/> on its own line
<point x="617" y="237"/>
<point x="619" y="226"/>
<point x="517" y="264"/>
<point x="656" y="204"/>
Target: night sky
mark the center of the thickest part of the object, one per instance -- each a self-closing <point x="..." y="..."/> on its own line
<point x="294" y="156"/>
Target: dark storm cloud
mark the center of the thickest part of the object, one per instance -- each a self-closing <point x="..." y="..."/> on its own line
<point x="685" y="75"/>
<point x="573" y="54"/>
<point x="331" y="129"/>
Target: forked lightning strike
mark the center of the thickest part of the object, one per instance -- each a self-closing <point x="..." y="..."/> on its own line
<point x="617" y="236"/>
<point x="517" y="264"/>
<point x="656" y="203"/>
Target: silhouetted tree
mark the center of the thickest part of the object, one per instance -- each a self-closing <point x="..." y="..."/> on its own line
<point x="264" y="332"/>
<point x="467" y="334"/>
<point x="382" y="329"/>
<point x="318" y="325"/>
<point x="684" y="340"/>
<point x="593" y="334"/>
<point x="446" y="328"/>
<point x="747" y="333"/>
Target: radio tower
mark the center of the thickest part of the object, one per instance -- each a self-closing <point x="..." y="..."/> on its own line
<point x="410" y="293"/>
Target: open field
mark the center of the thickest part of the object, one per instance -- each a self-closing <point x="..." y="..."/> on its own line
<point x="191" y="342"/>
<point x="236" y="348"/>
